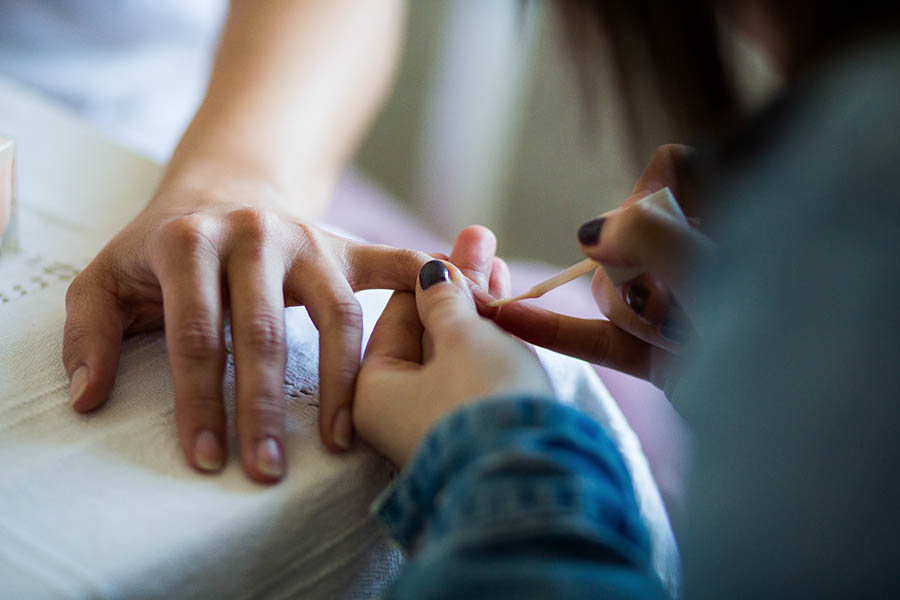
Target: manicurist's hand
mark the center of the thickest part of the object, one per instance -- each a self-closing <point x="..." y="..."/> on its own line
<point x="429" y="353"/>
<point x="189" y="259"/>
<point x="649" y="315"/>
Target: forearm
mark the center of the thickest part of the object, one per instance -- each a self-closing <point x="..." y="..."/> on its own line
<point x="519" y="497"/>
<point x="293" y="87"/>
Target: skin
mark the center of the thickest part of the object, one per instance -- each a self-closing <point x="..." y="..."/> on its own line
<point x="229" y="232"/>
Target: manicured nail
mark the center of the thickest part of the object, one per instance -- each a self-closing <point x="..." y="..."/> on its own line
<point x="78" y="383"/>
<point x="269" y="460"/>
<point x="673" y="330"/>
<point x="589" y="232"/>
<point x="636" y="298"/>
<point x="208" y="455"/>
<point x="432" y="272"/>
<point x="343" y="429"/>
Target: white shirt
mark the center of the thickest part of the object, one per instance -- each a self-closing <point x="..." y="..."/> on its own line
<point x="137" y="69"/>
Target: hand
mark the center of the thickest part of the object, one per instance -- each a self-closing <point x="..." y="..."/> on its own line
<point x="189" y="257"/>
<point x="649" y="315"/>
<point x="405" y="384"/>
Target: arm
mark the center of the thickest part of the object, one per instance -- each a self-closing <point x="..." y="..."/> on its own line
<point x="228" y="234"/>
<point x="518" y="497"/>
<point x="293" y="88"/>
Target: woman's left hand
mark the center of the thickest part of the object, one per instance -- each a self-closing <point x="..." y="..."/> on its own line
<point x="429" y="353"/>
<point x="649" y="316"/>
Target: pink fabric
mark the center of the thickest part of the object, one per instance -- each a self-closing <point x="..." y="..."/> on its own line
<point x="363" y="209"/>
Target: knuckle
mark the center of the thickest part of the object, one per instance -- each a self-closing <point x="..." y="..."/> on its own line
<point x="75" y="339"/>
<point x="264" y="413"/>
<point x="75" y="290"/>
<point x="345" y="311"/>
<point x="599" y="349"/>
<point x="253" y="224"/>
<point x="198" y="340"/>
<point x="265" y="334"/>
<point x="188" y="234"/>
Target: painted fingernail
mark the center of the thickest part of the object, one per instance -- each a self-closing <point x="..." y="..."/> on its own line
<point x="673" y="330"/>
<point x="343" y="429"/>
<point x="432" y="272"/>
<point x="208" y="455"/>
<point x="636" y="298"/>
<point x="589" y="232"/>
<point x="78" y="383"/>
<point x="269" y="460"/>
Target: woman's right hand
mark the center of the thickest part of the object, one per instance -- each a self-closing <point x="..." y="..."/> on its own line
<point x="649" y="315"/>
<point x="189" y="258"/>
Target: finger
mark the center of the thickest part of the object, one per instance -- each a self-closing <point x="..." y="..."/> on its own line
<point x="650" y="239"/>
<point x="397" y="335"/>
<point x="386" y="377"/>
<point x="648" y="298"/>
<point x="255" y="280"/>
<point x="443" y="300"/>
<point x="500" y="285"/>
<point x="671" y="167"/>
<point x="473" y="253"/>
<point x="597" y="341"/>
<point x="188" y="271"/>
<point x="611" y="303"/>
<point x="337" y="315"/>
<point x="92" y="338"/>
<point x="376" y="266"/>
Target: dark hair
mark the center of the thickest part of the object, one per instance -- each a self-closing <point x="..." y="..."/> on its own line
<point x="671" y="51"/>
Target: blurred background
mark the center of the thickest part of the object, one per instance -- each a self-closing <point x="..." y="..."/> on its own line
<point x="485" y="125"/>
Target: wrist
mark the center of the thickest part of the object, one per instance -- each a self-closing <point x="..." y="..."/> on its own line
<point x="221" y="181"/>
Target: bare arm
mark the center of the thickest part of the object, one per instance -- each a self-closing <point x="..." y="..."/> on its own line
<point x="293" y="88"/>
<point x="228" y="232"/>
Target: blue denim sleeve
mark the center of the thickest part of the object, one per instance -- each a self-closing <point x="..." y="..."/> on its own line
<point x="519" y="497"/>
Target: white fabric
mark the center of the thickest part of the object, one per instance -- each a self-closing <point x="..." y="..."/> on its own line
<point x="137" y="69"/>
<point x="104" y="505"/>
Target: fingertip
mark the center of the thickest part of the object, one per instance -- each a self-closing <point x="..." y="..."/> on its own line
<point x="87" y="389"/>
<point x="209" y="454"/>
<point x="500" y="282"/>
<point x="266" y="462"/>
<point x="589" y="232"/>
<point x="432" y="273"/>
<point x="342" y="429"/>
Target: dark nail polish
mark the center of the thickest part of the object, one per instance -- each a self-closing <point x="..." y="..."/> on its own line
<point x="673" y="330"/>
<point x="636" y="298"/>
<point x="433" y="272"/>
<point x="589" y="232"/>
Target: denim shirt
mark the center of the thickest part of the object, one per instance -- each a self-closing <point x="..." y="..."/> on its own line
<point x="518" y="497"/>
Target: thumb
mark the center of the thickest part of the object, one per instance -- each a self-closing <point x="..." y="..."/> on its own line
<point x="443" y="300"/>
<point x="91" y="343"/>
<point x="649" y="236"/>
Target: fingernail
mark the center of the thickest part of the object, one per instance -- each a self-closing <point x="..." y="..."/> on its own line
<point x="432" y="272"/>
<point x="673" y="330"/>
<point x="636" y="298"/>
<point x="78" y="383"/>
<point x="589" y="232"/>
<point x="343" y="428"/>
<point x="208" y="454"/>
<point x="268" y="458"/>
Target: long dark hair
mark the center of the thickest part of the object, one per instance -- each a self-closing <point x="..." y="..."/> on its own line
<point x="671" y="51"/>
